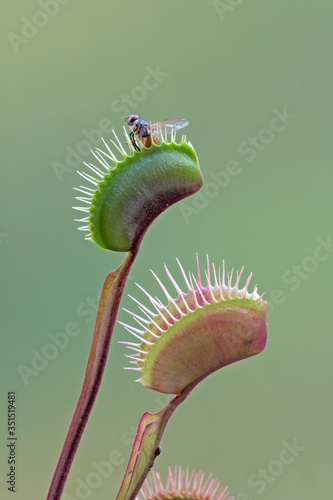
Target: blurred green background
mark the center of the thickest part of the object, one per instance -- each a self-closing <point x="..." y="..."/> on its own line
<point x="69" y="69"/>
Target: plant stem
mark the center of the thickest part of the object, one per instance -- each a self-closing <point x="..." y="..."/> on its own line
<point x="147" y="440"/>
<point x="108" y="306"/>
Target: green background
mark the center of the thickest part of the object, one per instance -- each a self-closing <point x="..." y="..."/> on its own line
<point x="226" y="73"/>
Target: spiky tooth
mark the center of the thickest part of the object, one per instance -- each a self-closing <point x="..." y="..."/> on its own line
<point x="82" y="209"/>
<point x="168" y="296"/>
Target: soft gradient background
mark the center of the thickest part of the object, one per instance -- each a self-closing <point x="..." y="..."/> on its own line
<point x="225" y="73"/>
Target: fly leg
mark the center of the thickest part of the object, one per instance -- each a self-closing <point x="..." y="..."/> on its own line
<point x="133" y="141"/>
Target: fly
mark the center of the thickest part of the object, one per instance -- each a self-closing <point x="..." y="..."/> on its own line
<point x="148" y="132"/>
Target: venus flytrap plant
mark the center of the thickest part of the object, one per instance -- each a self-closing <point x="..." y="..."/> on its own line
<point x="129" y="194"/>
<point x="201" y="330"/>
<point x="210" y="324"/>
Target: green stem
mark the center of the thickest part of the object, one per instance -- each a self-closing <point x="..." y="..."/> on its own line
<point x="108" y="306"/>
<point x="146" y="446"/>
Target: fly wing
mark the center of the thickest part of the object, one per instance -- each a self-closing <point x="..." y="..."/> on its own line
<point x="170" y="124"/>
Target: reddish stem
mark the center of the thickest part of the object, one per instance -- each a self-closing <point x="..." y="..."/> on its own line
<point x="111" y="295"/>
